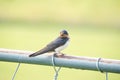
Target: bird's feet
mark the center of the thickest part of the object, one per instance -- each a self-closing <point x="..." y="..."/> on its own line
<point x="58" y="54"/>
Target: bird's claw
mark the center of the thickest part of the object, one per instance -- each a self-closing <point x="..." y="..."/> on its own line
<point x="58" y="54"/>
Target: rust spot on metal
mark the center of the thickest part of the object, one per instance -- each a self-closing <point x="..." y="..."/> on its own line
<point x="76" y="57"/>
<point x="108" y="61"/>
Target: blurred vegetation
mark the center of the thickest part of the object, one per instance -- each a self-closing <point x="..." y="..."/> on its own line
<point x="93" y="25"/>
<point x="62" y="11"/>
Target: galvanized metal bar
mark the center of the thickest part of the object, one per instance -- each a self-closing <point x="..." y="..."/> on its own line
<point x="77" y="62"/>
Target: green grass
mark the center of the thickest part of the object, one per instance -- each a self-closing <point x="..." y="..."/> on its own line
<point x="85" y="41"/>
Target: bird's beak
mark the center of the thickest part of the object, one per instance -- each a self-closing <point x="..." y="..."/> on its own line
<point x="62" y="35"/>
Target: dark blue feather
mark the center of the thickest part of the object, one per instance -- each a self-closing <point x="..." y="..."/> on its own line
<point x="51" y="46"/>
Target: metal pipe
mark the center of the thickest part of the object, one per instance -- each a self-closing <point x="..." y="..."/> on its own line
<point x="77" y="62"/>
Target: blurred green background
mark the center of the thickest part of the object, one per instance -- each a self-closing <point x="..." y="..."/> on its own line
<point x="93" y="25"/>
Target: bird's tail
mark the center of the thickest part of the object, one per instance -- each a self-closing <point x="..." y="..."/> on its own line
<point x="33" y="55"/>
<point x="42" y="51"/>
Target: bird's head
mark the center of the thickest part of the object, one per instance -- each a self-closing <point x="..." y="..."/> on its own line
<point x="63" y="33"/>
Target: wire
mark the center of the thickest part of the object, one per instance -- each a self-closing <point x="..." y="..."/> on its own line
<point x="55" y="69"/>
<point x="13" y="77"/>
<point x="106" y="75"/>
<point x="98" y="66"/>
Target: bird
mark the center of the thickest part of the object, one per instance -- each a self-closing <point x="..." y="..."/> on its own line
<point x="57" y="45"/>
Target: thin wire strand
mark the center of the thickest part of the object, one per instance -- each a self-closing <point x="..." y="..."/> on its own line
<point x="16" y="71"/>
<point x="106" y="75"/>
<point x="55" y="69"/>
<point x="98" y="66"/>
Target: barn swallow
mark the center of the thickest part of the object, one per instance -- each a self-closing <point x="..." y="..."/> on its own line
<point x="55" y="46"/>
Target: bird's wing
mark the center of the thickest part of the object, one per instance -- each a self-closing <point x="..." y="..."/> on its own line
<point x="50" y="47"/>
<point x="56" y="43"/>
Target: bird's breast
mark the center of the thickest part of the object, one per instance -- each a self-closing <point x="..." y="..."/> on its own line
<point x="62" y="47"/>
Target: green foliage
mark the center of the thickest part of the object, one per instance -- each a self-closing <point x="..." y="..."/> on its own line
<point x="65" y="11"/>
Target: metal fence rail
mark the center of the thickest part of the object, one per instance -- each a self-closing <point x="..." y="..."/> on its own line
<point x="77" y="62"/>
